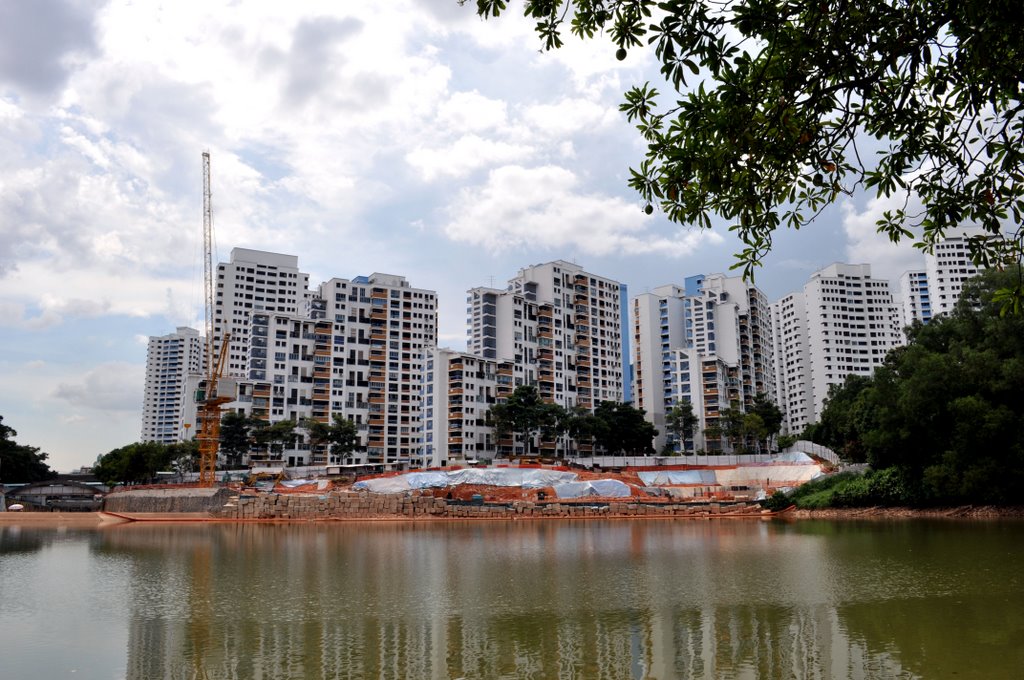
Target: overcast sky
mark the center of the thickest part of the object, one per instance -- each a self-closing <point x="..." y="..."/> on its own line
<point x="402" y="137"/>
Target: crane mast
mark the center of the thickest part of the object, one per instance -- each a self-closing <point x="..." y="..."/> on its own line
<point x="208" y="398"/>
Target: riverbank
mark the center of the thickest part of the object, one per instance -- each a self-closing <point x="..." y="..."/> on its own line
<point x="959" y="512"/>
<point x="95" y="519"/>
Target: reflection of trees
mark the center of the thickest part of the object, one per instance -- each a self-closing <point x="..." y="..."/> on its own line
<point x="24" y="540"/>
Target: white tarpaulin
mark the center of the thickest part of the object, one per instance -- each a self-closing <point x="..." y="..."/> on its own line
<point x="529" y="478"/>
<point x="293" y="483"/>
<point x="602" y="488"/>
<point x="768" y="475"/>
<point x="792" y="457"/>
<point x="678" y="477"/>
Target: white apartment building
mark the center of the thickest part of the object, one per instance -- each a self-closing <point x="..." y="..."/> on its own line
<point x="562" y="329"/>
<point x="357" y="351"/>
<point x="254" y="281"/>
<point x="458" y="390"/>
<point x="948" y="266"/>
<point x="843" y="322"/>
<point x="917" y="305"/>
<point x="707" y="342"/>
<point x="166" y="407"/>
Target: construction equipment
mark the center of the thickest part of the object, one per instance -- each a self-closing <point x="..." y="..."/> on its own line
<point x="214" y="391"/>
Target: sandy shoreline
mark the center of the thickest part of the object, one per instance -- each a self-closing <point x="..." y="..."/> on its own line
<point x="95" y="519"/>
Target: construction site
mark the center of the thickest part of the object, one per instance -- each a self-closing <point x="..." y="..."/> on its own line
<point x="494" y="492"/>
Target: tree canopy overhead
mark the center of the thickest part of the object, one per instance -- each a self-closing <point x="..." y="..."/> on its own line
<point x="777" y="108"/>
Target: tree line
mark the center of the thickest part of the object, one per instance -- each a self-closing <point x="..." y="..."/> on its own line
<point x="614" y="427"/>
<point x="940" y="421"/>
<point x="19" y="463"/>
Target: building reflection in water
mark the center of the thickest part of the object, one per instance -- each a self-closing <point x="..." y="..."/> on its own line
<point x="531" y="600"/>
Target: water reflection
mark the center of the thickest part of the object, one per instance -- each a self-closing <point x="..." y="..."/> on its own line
<point x="585" y="600"/>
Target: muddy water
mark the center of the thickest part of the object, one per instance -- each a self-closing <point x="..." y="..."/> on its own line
<point x="627" y="599"/>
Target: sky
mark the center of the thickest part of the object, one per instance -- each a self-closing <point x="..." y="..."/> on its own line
<point x="403" y="137"/>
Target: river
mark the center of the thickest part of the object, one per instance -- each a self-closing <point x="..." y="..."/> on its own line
<point x="595" y="599"/>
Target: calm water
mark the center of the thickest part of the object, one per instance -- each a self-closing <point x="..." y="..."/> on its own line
<point x="654" y="599"/>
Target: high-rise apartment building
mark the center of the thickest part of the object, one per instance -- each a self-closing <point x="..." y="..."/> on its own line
<point x="707" y="342"/>
<point x="170" y="360"/>
<point x="843" y="322"/>
<point x="561" y="328"/>
<point x="917" y="305"/>
<point x="948" y="266"/>
<point x="458" y="391"/>
<point x="254" y="281"/>
<point x="358" y="351"/>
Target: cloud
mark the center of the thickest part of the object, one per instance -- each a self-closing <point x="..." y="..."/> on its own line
<point x="520" y="208"/>
<point x="313" y="56"/>
<point x="888" y="260"/>
<point x="466" y="154"/>
<point x="569" y="116"/>
<point x="112" y="386"/>
<point x="40" y="42"/>
<point x="472" y="112"/>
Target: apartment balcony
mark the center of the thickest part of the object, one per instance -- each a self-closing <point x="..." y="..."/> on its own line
<point x="455" y="390"/>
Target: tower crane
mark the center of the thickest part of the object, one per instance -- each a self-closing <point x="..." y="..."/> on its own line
<point x="216" y="390"/>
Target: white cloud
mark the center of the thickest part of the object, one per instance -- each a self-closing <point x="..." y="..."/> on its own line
<point x="569" y="116"/>
<point x="111" y="386"/>
<point x="521" y="208"/>
<point x="466" y="154"/>
<point x="888" y="260"/>
<point x="472" y="112"/>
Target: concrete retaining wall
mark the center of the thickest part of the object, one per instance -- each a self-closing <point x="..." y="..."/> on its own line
<point x="210" y="500"/>
<point x="398" y="506"/>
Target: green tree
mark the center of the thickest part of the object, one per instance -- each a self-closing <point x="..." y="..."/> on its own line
<point x="138" y="463"/>
<point x="944" y="412"/>
<point x="731" y="420"/>
<point x="771" y="417"/>
<point x="20" y="464"/>
<point x="681" y="422"/>
<point x="318" y="434"/>
<point x="235" y="437"/>
<point x="342" y="436"/>
<point x="791" y="96"/>
<point x="525" y="414"/>
<point x="183" y="457"/>
<point x="843" y="419"/>
<point x="274" y="437"/>
<point x="579" y="424"/>
<point x="622" y="429"/>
